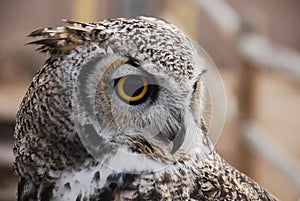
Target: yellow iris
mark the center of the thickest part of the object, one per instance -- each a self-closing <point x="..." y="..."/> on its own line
<point x="138" y="89"/>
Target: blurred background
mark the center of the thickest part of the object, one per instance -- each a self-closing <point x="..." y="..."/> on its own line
<point x="255" y="45"/>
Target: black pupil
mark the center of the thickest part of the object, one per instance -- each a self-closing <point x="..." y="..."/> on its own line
<point x="133" y="86"/>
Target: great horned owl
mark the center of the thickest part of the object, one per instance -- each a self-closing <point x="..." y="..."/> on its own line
<point x="116" y="113"/>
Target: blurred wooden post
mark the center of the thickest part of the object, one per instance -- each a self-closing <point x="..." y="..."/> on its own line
<point x="246" y="113"/>
<point x="230" y="25"/>
<point x="256" y="52"/>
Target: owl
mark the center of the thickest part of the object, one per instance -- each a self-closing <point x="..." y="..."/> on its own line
<point x="117" y="113"/>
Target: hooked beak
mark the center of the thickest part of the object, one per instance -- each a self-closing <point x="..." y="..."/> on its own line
<point x="180" y="136"/>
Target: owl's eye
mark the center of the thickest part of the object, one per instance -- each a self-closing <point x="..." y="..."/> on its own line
<point x="133" y="89"/>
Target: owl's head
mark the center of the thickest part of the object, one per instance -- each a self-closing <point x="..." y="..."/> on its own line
<point x="138" y="88"/>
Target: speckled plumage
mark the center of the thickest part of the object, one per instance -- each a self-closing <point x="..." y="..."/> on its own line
<point x="179" y="163"/>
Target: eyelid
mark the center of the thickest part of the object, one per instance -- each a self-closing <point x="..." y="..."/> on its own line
<point x="126" y="70"/>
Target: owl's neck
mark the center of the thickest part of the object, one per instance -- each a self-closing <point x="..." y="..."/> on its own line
<point x="122" y="168"/>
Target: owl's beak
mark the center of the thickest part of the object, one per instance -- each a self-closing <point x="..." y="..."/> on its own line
<point x="180" y="136"/>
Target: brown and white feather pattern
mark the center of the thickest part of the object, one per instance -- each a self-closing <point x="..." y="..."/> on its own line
<point x="52" y="162"/>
